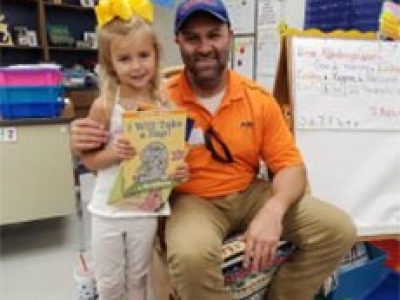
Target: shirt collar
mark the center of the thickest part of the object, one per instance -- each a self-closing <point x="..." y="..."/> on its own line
<point x="234" y="91"/>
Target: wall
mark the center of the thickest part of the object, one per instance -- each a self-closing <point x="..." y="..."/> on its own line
<point x="294" y="12"/>
<point x="164" y="24"/>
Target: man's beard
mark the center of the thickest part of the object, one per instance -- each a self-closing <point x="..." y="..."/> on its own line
<point x="210" y="77"/>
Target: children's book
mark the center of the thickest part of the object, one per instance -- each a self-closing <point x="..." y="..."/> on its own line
<point x="144" y="182"/>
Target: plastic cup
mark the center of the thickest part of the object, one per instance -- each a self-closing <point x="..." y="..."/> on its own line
<point x="85" y="284"/>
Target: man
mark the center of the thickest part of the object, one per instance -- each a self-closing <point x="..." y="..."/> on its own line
<point x="236" y="123"/>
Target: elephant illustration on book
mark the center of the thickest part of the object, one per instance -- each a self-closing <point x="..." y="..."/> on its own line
<point x="153" y="163"/>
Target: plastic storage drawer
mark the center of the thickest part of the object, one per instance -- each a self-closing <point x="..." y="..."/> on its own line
<point x="31" y="110"/>
<point x="30" y="77"/>
<point x="27" y="94"/>
<point x="30" y="102"/>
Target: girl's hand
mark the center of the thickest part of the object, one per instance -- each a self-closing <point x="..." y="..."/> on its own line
<point x="123" y="148"/>
<point x="181" y="173"/>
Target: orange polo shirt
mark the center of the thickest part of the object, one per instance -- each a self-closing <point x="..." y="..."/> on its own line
<point x="250" y="123"/>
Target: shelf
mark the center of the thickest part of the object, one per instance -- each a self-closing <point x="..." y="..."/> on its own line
<point x="24" y="1"/>
<point x="35" y="15"/>
<point x="71" y="49"/>
<point x="20" y="47"/>
<point x="69" y="6"/>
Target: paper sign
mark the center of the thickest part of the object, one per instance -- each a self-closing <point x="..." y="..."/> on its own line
<point x="8" y="134"/>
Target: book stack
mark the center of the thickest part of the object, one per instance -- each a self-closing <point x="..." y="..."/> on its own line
<point x="246" y="283"/>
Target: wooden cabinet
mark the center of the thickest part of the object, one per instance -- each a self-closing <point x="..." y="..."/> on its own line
<point x="36" y="15"/>
<point x="81" y="101"/>
<point x="36" y="170"/>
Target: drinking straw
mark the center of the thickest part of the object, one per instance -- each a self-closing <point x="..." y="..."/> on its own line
<point x="83" y="262"/>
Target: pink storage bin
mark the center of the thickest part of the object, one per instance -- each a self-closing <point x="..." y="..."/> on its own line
<point x="30" y="76"/>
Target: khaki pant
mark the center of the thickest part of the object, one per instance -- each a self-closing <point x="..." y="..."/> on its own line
<point x="196" y="228"/>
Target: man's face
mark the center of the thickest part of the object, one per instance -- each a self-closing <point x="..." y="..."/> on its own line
<point x="204" y="43"/>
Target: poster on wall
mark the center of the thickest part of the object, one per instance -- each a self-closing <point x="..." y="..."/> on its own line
<point x="270" y="13"/>
<point x="267" y="57"/>
<point x="242" y="15"/>
<point x="243" y="55"/>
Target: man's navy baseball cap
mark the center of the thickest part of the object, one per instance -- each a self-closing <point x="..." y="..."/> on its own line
<point x="188" y="7"/>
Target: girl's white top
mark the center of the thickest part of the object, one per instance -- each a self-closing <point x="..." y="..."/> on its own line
<point x="105" y="179"/>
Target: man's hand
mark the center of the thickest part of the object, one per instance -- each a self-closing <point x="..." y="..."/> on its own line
<point x="262" y="236"/>
<point x="87" y="134"/>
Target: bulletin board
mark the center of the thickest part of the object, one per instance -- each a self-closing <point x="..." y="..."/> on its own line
<point x="255" y="47"/>
<point x="343" y="14"/>
<point x="345" y="97"/>
<point x="243" y="55"/>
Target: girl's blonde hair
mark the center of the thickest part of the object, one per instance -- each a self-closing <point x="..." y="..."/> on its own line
<point x="107" y="76"/>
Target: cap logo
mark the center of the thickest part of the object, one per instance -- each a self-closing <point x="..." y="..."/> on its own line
<point x="191" y="3"/>
<point x="215" y="8"/>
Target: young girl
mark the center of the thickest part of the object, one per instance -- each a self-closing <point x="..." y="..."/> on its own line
<point x="122" y="239"/>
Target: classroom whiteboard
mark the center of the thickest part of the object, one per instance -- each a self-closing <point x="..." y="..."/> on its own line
<point x="346" y="109"/>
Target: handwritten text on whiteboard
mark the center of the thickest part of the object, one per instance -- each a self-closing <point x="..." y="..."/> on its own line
<point x="346" y="84"/>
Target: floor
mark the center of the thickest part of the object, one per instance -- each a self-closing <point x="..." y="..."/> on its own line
<point x="37" y="258"/>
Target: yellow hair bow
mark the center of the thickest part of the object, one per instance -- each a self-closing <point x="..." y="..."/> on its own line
<point x="107" y="10"/>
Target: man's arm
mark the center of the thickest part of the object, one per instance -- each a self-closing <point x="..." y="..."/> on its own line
<point x="104" y="157"/>
<point x="282" y="157"/>
<point x="264" y="232"/>
<point x="87" y="135"/>
<point x="288" y="186"/>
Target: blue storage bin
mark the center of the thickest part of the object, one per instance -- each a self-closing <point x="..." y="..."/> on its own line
<point x="31" y="110"/>
<point x="388" y="288"/>
<point x="30" y="101"/>
<point x="27" y="94"/>
<point x="356" y="283"/>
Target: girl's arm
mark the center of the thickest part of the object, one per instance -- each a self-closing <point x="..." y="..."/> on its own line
<point x="104" y="156"/>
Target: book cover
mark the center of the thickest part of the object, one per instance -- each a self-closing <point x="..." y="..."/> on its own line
<point x="144" y="181"/>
